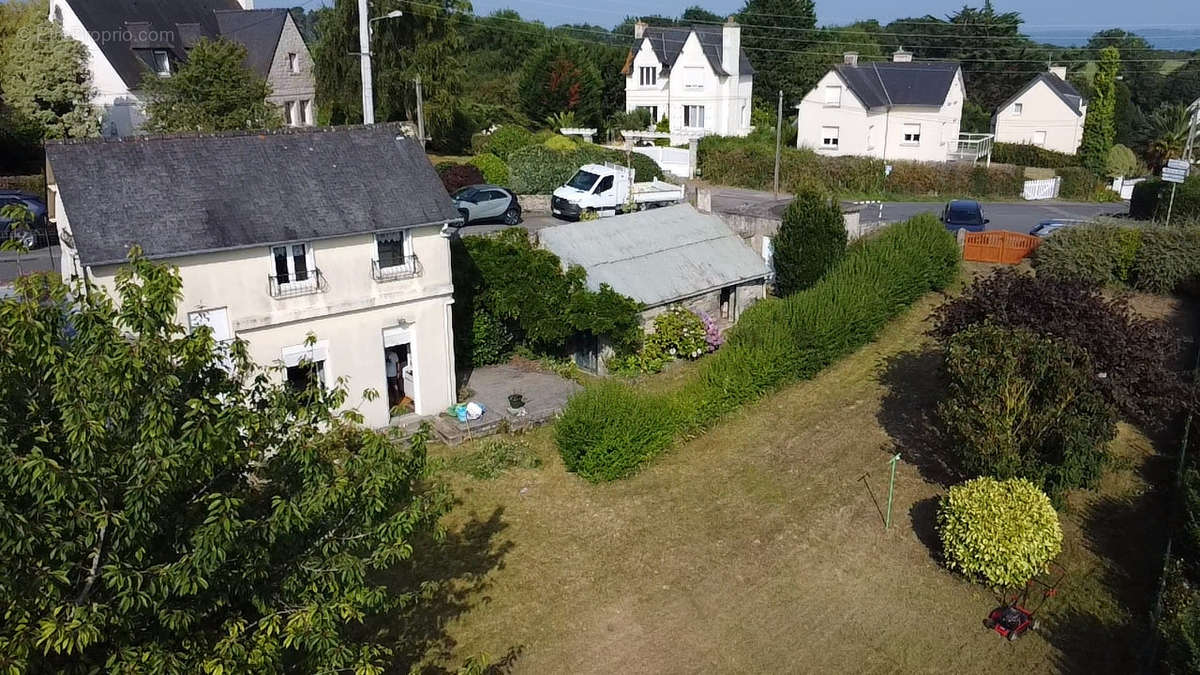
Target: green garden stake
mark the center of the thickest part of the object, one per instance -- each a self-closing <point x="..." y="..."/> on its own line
<point x="887" y="521"/>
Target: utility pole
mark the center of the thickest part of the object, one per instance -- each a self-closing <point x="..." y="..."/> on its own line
<point x="364" y="55"/>
<point x="420" y="112"/>
<point x="778" y="141"/>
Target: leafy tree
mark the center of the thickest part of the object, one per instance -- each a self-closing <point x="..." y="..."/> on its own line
<point x="697" y="14"/>
<point x="767" y="36"/>
<point x="45" y="80"/>
<point x="1122" y="162"/>
<point x="1182" y="86"/>
<point x="1021" y="405"/>
<point x="975" y="119"/>
<point x="1099" y="129"/>
<point x="165" y="512"/>
<point x="1166" y="135"/>
<point x="812" y="238"/>
<point x="1138" y="70"/>
<point x="214" y="90"/>
<point x="1000" y="532"/>
<point x="560" y="77"/>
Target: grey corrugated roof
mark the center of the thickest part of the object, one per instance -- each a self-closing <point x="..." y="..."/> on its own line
<point x="668" y="42"/>
<point x="658" y="256"/>
<point x="885" y="83"/>
<point x="176" y="24"/>
<point x="179" y="195"/>
<point x="1063" y="89"/>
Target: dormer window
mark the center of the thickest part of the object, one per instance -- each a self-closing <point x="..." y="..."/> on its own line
<point x="293" y="63"/>
<point x="647" y="76"/>
<point x="162" y="63"/>
<point x="58" y="15"/>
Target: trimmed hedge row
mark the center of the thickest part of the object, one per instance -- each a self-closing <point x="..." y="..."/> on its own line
<point x="1023" y="154"/>
<point x="537" y="169"/>
<point x="1151" y="198"/>
<point x="609" y="430"/>
<point x="1155" y="259"/>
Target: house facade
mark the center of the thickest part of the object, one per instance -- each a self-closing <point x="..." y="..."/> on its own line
<point x="698" y="78"/>
<point x="1047" y="112"/>
<point x="127" y="40"/>
<point x="324" y="249"/>
<point x="661" y="258"/>
<point x="897" y="110"/>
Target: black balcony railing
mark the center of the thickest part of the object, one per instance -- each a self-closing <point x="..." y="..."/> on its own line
<point x="302" y="282"/>
<point x="406" y="268"/>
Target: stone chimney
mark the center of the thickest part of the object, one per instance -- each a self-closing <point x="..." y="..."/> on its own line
<point x="1060" y="71"/>
<point x="246" y="4"/>
<point x="850" y="58"/>
<point x="901" y="56"/>
<point x="731" y="47"/>
<point x="639" y="29"/>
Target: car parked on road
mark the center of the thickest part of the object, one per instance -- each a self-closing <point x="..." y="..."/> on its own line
<point x="1049" y="227"/>
<point x="487" y="203"/>
<point x="964" y="214"/>
<point x="32" y="231"/>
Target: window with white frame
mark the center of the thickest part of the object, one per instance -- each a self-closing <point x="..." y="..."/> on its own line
<point x="1039" y="138"/>
<point x="216" y="320"/>
<point x="693" y="77"/>
<point x="394" y="255"/>
<point x="829" y="137"/>
<point x="912" y="134"/>
<point x="1018" y="108"/>
<point x="647" y="76"/>
<point x="304" y="365"/>
<point x="289" y="113"/>
<point x="833" y="96"/>
<point x="302" y="116"/>
<point x="693" y="116"/>
<point x="293" y="265"/>
<point x="294" y="63"/>
<point x="162" y="63"/>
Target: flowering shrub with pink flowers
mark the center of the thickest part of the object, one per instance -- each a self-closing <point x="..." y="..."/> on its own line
<point x="678" y="334"/>
<point x="712" y="334"/>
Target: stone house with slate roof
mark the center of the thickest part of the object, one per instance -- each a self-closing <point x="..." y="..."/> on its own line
<point x="127" y="40"/>
<point x="1047" y="112"/>
<point x="698" y="77"/>
<point x="897" y="110"/>
<point x="335" y="232"/>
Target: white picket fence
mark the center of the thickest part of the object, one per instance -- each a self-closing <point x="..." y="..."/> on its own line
<point x="1046" y="188"/>
<point x="675" y="161"/>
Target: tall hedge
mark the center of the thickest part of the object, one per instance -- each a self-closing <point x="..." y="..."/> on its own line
<point x="812" y="238"/>
<point x="1151" y="199"/>
<point x="605" y="432"/>
<point x="1024" y="154"/>
<point x="1155" y="259"/>
<point x="537" y="169"/>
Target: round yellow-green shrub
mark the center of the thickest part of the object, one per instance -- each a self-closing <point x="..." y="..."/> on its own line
<point x="560" y="144"/>
<point x="998" y="532"/>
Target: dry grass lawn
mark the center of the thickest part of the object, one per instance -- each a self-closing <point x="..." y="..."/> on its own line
<point x="760" y="547"/>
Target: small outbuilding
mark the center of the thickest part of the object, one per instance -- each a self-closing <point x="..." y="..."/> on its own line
<point x="663" y="257"/>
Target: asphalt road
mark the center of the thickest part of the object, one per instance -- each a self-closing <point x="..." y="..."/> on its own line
<point x="13" y="265"/>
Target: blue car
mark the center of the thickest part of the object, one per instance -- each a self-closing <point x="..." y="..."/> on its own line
<point x="1049" y="227"/>
<point x="964" y="214"/>
<point x="35" y="231"/>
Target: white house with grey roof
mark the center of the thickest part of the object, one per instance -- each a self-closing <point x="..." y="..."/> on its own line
<point x="334" y="233"/>
<point x="897" y="110"/>
<point x="127" y="40"/>
<point x="698" y="77"/>
<point x="1047" y="112"/>
<point x="662" y="257"/>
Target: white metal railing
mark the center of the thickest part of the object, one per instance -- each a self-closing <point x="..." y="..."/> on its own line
<point x="973" y="147"/>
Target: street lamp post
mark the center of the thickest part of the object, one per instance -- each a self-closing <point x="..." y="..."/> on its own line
<point x="364" y="54"/>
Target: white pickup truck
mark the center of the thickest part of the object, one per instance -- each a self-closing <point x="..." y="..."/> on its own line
<point x="609" y="189"/>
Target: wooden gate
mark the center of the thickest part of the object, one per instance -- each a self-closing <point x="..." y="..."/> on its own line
<point x="999" y="246"/>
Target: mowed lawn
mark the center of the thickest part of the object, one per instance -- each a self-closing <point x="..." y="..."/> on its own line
<point x="760" y="547"/>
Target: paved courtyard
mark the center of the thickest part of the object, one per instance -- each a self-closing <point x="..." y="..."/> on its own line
<point x="545" y="394"/>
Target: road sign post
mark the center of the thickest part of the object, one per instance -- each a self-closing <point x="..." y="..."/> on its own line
<point x="887" y="520"/>
<point x="1175" y="172"/>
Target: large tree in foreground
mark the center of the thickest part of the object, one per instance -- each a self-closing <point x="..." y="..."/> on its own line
<point x="158" y="514"/>
<point x="214" y="90"/>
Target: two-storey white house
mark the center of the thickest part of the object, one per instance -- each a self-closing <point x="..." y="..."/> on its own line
<point x="127" y="40"/>
<point x="698" y="78"/>
<point x="337" y="233"/>
<point x="1047" y="112"/>
<point x="897" y="110"/>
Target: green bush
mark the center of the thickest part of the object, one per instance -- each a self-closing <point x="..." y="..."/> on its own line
<point x="537" y="169"/>
<point x="560" y="144"/>
<point x="1123" y="162"/>
<point x="494" y="170"/>
<point x="1168" y="259"/>
<point x="495" y="457"/>
<point x="774" y="342"/>
<point x="678" y="334"/>
<point x="1023" y="154"/>
<point x="506" y="140"/>
<point x="1079" y="184"/>
<point x="1151" y="199"/>
<point x="1154" y="259"/>
<point x="637" y="119"/>
<point x="811" y="240"/>
<point x="1021" y="405"/>
<point x="1143" y="204"/>
<point x="491" y="340"/>
<point x="998" y="532"/>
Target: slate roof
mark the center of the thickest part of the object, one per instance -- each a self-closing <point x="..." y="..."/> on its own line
<point x="1063" y="89"/>
<point x="175" y="25"/>
<point x="180" y="195"/>
<point x="885" y="83"/>
<point x="657" y="256"/>
<point x="668" y="42"/>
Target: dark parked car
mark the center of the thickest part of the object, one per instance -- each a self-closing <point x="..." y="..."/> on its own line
<point x="1049" y="227"/>
<point x="33" y="232"/>
<point x="964" y="214"/>
<point x="487" y="203"/>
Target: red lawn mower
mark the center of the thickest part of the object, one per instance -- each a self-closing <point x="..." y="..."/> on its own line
<point x="1013" y="618"/>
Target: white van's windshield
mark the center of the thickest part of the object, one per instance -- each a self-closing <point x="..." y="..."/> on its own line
<point x="582" y="180"/>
